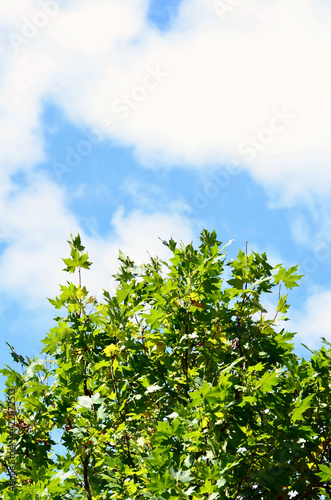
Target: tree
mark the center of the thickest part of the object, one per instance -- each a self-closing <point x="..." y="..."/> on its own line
<point x="177" y="387"/>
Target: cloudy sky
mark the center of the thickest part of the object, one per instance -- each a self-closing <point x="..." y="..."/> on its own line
<point x="129" y="120"/>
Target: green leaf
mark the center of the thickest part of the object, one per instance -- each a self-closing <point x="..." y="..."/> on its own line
<point x="268" y="380"/>
<point x="282" y="306"/>
<point x="175" y="386"/>
<point x="300" y="407"/>
<point x="85" y="401"/>
<point x="288" y="276"/>
<point x="17" y="357"/>
<point x="181" y="475"/>
<point x="325" y="472"/>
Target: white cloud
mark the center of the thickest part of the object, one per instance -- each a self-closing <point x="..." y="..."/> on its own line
<point x="94" y="28"/>
<point x="139" y="236"/>
<point x="221" y="89"/>
<point x="35" y="223"/>
<point x="193" y="95"/>
<point x="218" y="83"/>
<point x="313" y="321"/>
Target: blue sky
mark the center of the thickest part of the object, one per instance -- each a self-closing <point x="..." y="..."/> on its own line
<point x="132" y="120"/>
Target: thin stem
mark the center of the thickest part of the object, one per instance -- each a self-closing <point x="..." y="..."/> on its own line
<point x="275" y="317"/>
<point x="86" y="479"/>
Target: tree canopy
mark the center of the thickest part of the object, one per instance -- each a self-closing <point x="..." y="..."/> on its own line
<point x="178" y="386"/>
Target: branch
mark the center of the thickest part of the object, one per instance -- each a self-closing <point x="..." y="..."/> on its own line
<point x="86" y="479"/>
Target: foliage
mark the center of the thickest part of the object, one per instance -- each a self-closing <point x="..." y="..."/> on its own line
<point x="177" y="387"/>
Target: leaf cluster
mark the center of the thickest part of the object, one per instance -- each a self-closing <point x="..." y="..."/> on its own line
<point x="178" y="386"/>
